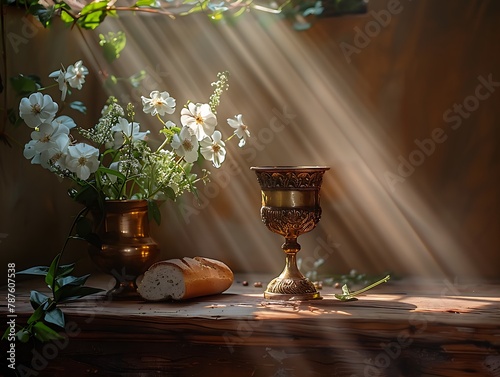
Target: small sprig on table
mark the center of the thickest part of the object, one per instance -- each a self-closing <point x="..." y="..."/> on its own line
<point x="347" y="295"/>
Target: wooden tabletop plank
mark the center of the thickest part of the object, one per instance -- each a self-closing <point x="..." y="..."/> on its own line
<point x="419" y="326"/>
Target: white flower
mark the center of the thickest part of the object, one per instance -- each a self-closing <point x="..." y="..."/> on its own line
<point x="30" y="153"/>
<point x="116" y="167"/>
<point x="158" y="103"/>
<point x="200" y="118"/>
<point x="37" y="109"/>
<point x="46" y="135"/>
<point x="130" y="130"/>
<point x="185" y="145"/>
<point x="66" y="121"/>
<point x="75" y="75"/>
<point x="49" y="145"/>
<point x="59" y="76"/>
<point x="82" y="159"/>
<point x="213" y="149"/>
<point x="169" y="124"/>
<point x="241" y="129"/>
<point x="55" y="155"/>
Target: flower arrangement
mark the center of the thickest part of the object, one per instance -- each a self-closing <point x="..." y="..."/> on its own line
<point x="116" y="162"/>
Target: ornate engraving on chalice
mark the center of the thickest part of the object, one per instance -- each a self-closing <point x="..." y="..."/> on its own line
<point x="290" y="207"/>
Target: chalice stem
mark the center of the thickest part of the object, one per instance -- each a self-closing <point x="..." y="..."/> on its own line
<point x="291" y="248"/>
<point x="291" y="284"/>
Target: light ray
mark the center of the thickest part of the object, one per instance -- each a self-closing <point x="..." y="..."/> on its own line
<point x="272" y="68"/>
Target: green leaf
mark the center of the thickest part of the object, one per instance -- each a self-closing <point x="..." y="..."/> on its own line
<point x="136" y="79"/>
<point x="78" y="106"/>
<point x="44" y="15"/>
<point x="86" y="195"/>
<point x="55" y="316"/>
<point x="43" y="270"/>
<point x="72" y="280"/>
<point x="201" y="5"/>
<point x="112" y="44"/>
<point x="37" y="315"/>
<point x="116" y="173"/>
<point x="70" y="292"/>
<point x="25" y="85"/>
<point x="44" y="333"/>
<point x="13" y="116"/>
<point x="345" y="290"/>
<point x="145" y="3"/>
<point x="67" y="18"/>
<point x="93" y="14"/>
<point x="38" y="299"/>
<point x="154" y="211"/>
<point x="23" y="336"/>
<point x="38" y="270"/>
<point x="83" y="227"/>
<point x="65" y="269"/>
<point x="51" y="274"/>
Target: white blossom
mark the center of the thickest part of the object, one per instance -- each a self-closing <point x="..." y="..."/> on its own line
<point x="213" y="149"/>
<point x="82" y="159"/>
<point x="55" y="155"/>
<point x="37" y="109"/>
<point x="30" y="153"/>
<point x="75" y="75"/>
<point x="66" y="121"/>
<point x="200" y="118"/>
<point x="186" y="145"/>
<point x="46" y="135"/>
<point x="241" y="129"/>
<point x="60" y="77"/>
<point x="123" y="129"/>
<point x="158" y="103"/>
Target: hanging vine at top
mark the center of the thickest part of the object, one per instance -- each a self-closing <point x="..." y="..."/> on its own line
<point x="92" y="14"/>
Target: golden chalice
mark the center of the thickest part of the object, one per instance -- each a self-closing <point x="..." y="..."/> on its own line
<point x="290" y="207"/>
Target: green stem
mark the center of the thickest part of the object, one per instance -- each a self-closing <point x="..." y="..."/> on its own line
<point x="165" y="142"/>
<point x="47" y="87"/>
<point x="384" y="280"/>
<point x="82" y="213"/>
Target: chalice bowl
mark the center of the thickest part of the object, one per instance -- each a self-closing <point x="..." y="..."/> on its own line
<point x="290" y="207"/>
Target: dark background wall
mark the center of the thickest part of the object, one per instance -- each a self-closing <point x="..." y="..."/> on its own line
<point x="401" y="102"/>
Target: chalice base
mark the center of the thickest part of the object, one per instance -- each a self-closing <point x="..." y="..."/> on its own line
<point x="289" y="289"/>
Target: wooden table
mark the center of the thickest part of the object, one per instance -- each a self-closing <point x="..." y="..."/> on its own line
<point x="402" y="328"/>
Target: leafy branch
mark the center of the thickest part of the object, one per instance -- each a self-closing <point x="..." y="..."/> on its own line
<point x="47" y="314"/>
<point x="64" y="288"/>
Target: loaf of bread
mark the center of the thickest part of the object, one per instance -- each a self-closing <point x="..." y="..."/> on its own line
<point x="180" y="279"/>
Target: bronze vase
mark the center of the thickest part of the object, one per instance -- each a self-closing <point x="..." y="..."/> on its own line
<point x="290" y="207"/>
<point x="126" y="248"/>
